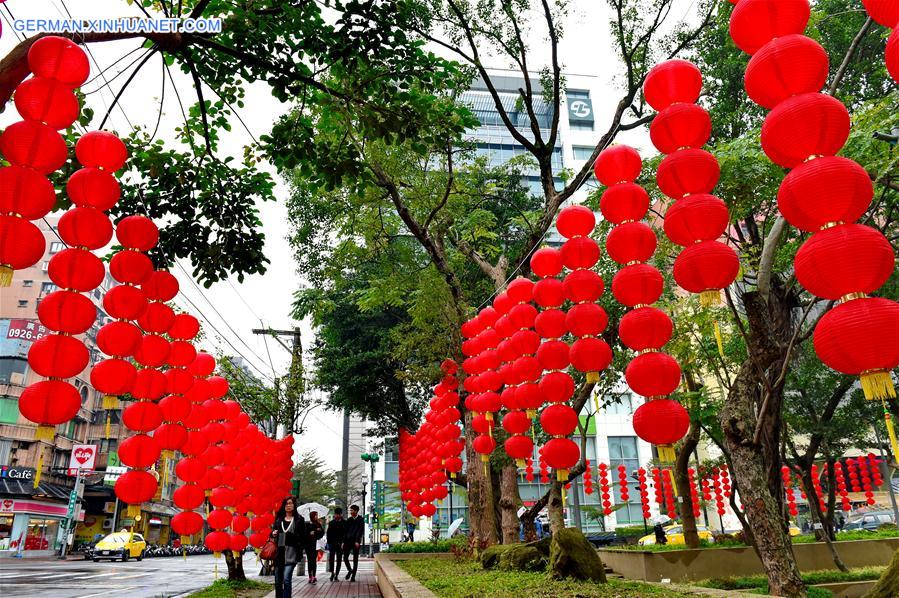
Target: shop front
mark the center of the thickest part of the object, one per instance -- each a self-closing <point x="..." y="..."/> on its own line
<point x="30" y="528"/>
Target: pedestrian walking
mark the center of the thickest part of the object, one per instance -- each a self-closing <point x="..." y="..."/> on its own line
<point x="335" y="535"/>
<point x="352" y="541"/>
<point x="288" y="532"/>
<point x="314" y="531"/>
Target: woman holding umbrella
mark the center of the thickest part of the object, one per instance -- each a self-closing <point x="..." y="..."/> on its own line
<point x="314" y="531"/>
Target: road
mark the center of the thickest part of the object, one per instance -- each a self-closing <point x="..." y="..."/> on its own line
<point x="151" y="578"/>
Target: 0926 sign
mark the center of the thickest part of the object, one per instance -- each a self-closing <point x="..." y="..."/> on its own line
<point x="26" y="330"/>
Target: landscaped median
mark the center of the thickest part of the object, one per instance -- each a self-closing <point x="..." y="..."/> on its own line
<point x="222" y="588"/>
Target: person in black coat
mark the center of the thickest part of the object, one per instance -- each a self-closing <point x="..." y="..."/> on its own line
<point x="335" y="535"/>
<point x="314" y="531"/>
<point x="288" y="532"/>
<point x="352" y="541"/>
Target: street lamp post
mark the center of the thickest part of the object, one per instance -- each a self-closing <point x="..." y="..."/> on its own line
<point x="371" y="459"/>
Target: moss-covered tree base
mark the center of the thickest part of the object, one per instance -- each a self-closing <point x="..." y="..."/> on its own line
<point x="521" y="557"/>
<point x="888" y="584"/>
<point x="491" y="555"/>
<point x="571" y="555"/>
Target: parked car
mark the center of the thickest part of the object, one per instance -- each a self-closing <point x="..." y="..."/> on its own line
<point x="120" y="545"/>
<point x="869" y="521"/>
<point x="675" y="535"/>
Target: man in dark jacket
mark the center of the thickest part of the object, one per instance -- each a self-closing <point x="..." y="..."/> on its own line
<point x="335" y="535"/>
<point x="352" y="541"/>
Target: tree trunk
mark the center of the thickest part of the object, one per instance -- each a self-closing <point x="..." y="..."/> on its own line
<point x="481" y="515"/>
<point x="756" y="460"/>
<point x="822" y="534"/>
<point x="555" y="508"/>
<point x="235" y="566"/>
<point x="682" y="480"/>
<point x="888" y="584"/>
<point x="509" y="502"/>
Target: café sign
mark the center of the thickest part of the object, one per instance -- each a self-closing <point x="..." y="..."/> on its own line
<point x="23" y="474"/>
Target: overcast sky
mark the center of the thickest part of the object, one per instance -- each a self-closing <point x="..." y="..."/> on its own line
<point x="229" y="310"/>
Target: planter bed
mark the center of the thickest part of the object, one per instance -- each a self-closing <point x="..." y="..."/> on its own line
<point x="707" y="563"/>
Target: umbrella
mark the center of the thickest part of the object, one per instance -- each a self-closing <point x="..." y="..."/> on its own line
<point x="454" y="527"/>
<point x="304" y="509"/>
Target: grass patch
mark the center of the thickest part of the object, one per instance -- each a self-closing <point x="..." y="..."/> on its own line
<point x="463" y="579"/>
<point x="429" y="546"/>
<point x="759" y="584"/>
<point x="852" y="535"/>
<point x="222" y="588"/>
<point x="731" y="543"/>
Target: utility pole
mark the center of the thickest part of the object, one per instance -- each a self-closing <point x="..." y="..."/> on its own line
<point x="295" y="386"/>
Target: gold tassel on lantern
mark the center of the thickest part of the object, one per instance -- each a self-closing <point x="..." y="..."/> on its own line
<point x="108" y="426"/>
<point x="562" y="475"/>
<point x="40" y="466"/>
<point x="673" y="483"/>
<point x="45" y="433"/>
<point x="710" y="298"/>
<point x="592" y="377"/>
<point x="891" y="431"/>
<point x="133" y="511"/>
<point x="666" y="453"/>
<point x="110" y="402"/>
<point x="5" y="276"/>
<point x="877" y="384"/>
<point x="719" y="340"/>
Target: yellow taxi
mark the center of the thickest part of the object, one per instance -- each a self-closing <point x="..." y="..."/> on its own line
<point x="120" y="545"/>
<point x="675" y="535"/>
<point x="794" y="530"/>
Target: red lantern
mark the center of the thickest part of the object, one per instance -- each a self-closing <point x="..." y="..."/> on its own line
<point x="21" y="246"/>
<point x="137" y="232"/>
<point x="672" y="82"/>
<point x="616" y="164"/>
<point x="699" y="217"/>
<point x="58" y="356"/>
<point x="884" y="12"/>
<point x="59" y="58"/>
<point x="76" y="269"/>
<point x="680" y="126"/>
<point x="583" y="286"/>
<point x="160" y="286"/>
<point x="91" y="187"/>
<point x="661" y="422"/>
<point x="575" y="221"/>
<point x="638" y="284"/>
<point x="188" y="523"/>
<point x="625" y="202"/>
<point x="645" y="328"/>
<point x="558" y="420"/>
<point x="49" y="403"/>
<point x="653" y="374"/>
<point x="113" y="377"/>
<point x="705" y="268"/>
<point x="135" y="487"/>
<point x="47" y="101"/>
<point x="66" y="311"/>
<point x="143" y="416"/>
<point x="34" y="145"/>
<point x="892" y="55"/>
<point x="858" y="338"/>
<point x="120" y="339"/>
<point x="811" y="124"/>
<point x="584" y="319"/>
<point x="590" y="355"/>
<point x="845" y="259"/>
<point x="633" y="242"/>
<point x="754" y="23"/>
<point x="546" y="262"/>
<point x="184" y="327"/>
<point x="787" y="66"/>
<point x="561" y="454"/>
<point x="687" y="172"/>
<point x="101" y="149"/>
<point x="824" y="191"/>
<point x="25" y="192"/>
<point x="139" y="451"/>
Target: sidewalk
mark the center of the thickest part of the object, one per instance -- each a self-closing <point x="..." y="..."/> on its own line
<point x="365" y="585"/>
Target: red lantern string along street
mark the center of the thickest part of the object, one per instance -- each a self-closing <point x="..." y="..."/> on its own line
<point x="522" y="358"/>
<point x="644" y="494"/>
<point x="886" y="13"/>
<point x="694" y="492"/>
<point x="668" y="485"/>
<point x="688" y="174"/>
<point x="876" y="476"/>
<point x="529" y="472"/>
<point x="34" y="148"/>
<point x="483" y="380"/>
<point x="588" y="478"/>
<point x="658" y="493"/>
<point x="604" y="490"/>
<point x="846" y="504"/>
<point x="644" y="329"/>
<point x="623" y="490"/>
<point x="68" y="311"/>
<point x="544" y="468"/>
<point x="788" y="491"/>
<point x="171" y="433"/>
<point x="719" y="491"/>
<point x="866" y="480"/>
<point x="823" y="194"/>
<point x="816" y="485"/>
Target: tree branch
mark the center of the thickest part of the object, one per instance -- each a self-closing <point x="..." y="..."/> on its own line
<point x="769" y="250"/>
<point x="853" y="47"/>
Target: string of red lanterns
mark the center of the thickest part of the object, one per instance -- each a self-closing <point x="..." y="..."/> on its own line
<point x="34" y="148"/>
<point x="823" y="194"/>
<point x="644" y="329"/>
<point x="688" y="174"/>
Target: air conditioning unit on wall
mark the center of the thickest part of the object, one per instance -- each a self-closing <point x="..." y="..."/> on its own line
<point x="107" y="523"/>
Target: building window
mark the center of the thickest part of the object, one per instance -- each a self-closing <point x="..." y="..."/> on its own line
<point x="5" y="450"/>
<point x="23" y="303"/>
<point x="581" y="126"/>
<point x="45" y="266"/>
<point x="623" y="451"/>
<point x="623" y="406"/>
<point x="9" y="412"/>
<point x="582" y="152"/>
<point x="47" y="288"/>
<point x="56" y="247"/>
<point x="109" y="445"/>
<point x="27" y="283"/>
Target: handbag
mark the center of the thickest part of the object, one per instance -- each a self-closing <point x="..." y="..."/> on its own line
<point x="269" y="551"/>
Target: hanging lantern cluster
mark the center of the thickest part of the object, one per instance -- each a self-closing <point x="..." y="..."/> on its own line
<point x="644" y="329"/>
<point x="721" y="487"/>
<point x="544" y="468"/>
<point x="823" y="194"/>
<point x="419" y="471"/>
<point x="789" y="492"/>
<point x="529" y="471"/>
<point x="866" y="480"/>
<point x="668" y="486"/>
<point x="876" y="476"/>
<point x="644" y="494"/>
<point x="34" y="148"/>
<point x="688" y="174"/>
<point x="623" y="490"/>
<point x="840" y="480"/>
<point x="171" y="433"/>
<point x="816" y="485"/>
<point x="886" y="13"/>
<point x="127" y="303"/>
<point x="853" y="475"/>
<point x="68" y="311"/>
<point x="694" y="492"/>
<point x="519" y="352"/>
<point x="483" y="381"/>
<point x="658" y="490"/>
<point x="605" y="491"/>
<point x="588" y="478"/>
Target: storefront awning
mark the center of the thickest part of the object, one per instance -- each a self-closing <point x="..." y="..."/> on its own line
<point x="10" y="487"/>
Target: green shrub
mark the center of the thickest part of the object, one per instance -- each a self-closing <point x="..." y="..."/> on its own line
<point x="760" y="584"/>
<point x="222" y="588"/>
<point x="428" y="546"/>
<point x="631" y="531"/>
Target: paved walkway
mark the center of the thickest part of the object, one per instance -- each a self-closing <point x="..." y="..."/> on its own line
<point x="365" y="585"/>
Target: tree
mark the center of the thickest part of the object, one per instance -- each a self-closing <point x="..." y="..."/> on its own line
<point x="207" y="202"/>
<point x="316" y="482"/>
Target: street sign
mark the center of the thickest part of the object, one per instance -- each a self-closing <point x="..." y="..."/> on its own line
<point x="83" y="457"/>
<point x="113" y="473"/>
<point x="26" y="330"/>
